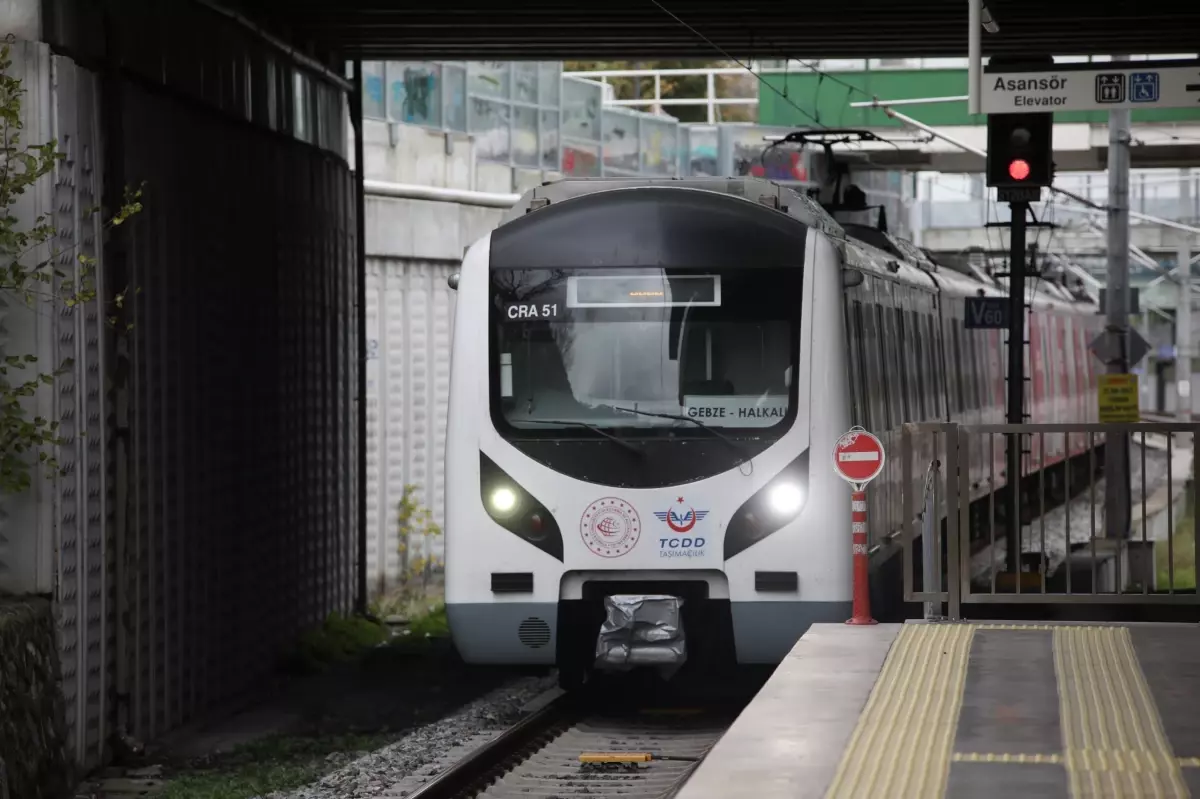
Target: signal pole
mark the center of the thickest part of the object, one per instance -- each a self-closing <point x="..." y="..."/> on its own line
<point x="1020" y="162"/>
<point x="1016" y="378"/>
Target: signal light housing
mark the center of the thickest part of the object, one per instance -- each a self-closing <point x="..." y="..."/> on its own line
<point x="1020" y="150"/>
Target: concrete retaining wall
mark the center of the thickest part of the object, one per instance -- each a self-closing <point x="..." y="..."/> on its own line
<point x="33" y="746"/>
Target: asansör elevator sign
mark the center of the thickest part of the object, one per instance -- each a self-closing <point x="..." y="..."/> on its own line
<point x="1091" y="87"/>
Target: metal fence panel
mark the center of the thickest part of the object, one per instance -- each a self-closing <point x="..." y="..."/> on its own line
<point x="243" y="473"/>
<point x="1067" y="555"/>
<point x="208" y="511"/>
<point x="53" y="537"/>
<point x="410" y="320"/>
<point x="85" y="614"/>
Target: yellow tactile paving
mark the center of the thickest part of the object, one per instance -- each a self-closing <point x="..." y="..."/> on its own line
<point x="999" y="757"/>
<point x="902" y="743"/>
<point x="1114" y="744"/>
<point x="990" y="757"/>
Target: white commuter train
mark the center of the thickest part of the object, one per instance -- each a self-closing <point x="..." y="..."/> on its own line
<point x="647" y="382"/>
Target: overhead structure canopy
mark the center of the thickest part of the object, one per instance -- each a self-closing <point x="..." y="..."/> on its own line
<point x="609" y="29"/>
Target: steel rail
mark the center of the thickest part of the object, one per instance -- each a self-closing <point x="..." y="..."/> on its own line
<point x="468" y="774"/>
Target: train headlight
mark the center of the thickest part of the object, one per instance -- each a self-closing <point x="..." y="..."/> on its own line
<point x="503" y="501"/>
<point x="770" y="509"/>
<point x="514" y="508"/>
<point x="786" y="498"/>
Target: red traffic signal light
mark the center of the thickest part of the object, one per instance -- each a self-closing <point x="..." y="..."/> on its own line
<point x="1020" y="150"/>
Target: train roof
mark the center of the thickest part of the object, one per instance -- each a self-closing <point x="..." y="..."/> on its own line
<point x="863" y="247"/>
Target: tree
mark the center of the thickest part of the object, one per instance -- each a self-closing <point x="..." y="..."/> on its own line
<point x="416" y="528"/>
<point x="680" y="86"/>
<point x="30" y="274"/>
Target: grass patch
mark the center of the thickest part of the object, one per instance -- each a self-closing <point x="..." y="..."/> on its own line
<point x="1184" y="546"/>
<point x="280" y="763"/>
<point x="427" y="631"/>
<point x="432" y="623"/>
<point x="346" y="720"/>
<point x="338" y="640"/>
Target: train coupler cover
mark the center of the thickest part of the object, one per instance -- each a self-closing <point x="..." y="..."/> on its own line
<point x="641" y="630"/>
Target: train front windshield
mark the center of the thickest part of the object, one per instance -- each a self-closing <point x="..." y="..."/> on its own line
<point x="631" y="350"/>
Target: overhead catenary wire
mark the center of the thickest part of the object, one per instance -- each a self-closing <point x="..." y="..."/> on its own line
<point x="902" y="118"/>
<point x="783" y="94"/>
<point x="738" y="61"/>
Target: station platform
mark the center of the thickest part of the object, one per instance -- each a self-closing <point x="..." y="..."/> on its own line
<point x="931" y="710"/>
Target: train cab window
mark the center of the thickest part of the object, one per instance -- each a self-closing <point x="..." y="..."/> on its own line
<point x="599" y="350"/>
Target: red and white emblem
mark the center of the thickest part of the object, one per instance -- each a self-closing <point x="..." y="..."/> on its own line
<point x="610" y="527"/>
<point x="858" y="457"/>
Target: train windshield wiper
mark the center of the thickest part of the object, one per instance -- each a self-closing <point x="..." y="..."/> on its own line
<point x="589" y="426"/>
<point x="680" y="417"/>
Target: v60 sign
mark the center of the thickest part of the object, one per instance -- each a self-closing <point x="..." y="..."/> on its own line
<point x="987" y="313"/>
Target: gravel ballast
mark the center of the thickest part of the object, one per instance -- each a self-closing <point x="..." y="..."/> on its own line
<point x="403" y="766"/>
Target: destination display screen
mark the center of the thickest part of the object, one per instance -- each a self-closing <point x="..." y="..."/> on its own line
<point x="654" y="291"/>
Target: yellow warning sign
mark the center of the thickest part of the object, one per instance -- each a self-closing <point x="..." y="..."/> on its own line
<point x="1119" y="399"/>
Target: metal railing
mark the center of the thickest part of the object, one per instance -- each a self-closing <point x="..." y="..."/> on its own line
<point x="1066" y="554"/>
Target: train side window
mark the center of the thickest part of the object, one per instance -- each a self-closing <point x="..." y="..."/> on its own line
<point x="963" y="368"/>
<point x="896" y="372"/>
<point x="854" y="338"/>
<point x="983" y="368"/>
<point x="887" y="376"/>
<point x="951" y="364"/>
<point x="924" y="377"/>
<point x="911" y="366"/>
<point x="974" y="372"/>
<point x="874" y="383"/>
<point x="935" y="385"/>
<point x="864" y="385"/>
<point x="992" y="372"/>
<point x="904" y="374"/>
<point x="935" y="363"/>
<point x="929" y="380"/>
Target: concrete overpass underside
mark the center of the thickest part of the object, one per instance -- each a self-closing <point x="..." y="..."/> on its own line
<point x="213" y="496"/>
<point x="574" y="29"/>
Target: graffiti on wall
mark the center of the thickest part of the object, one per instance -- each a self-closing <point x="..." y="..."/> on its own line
<point x="580" y="163"/>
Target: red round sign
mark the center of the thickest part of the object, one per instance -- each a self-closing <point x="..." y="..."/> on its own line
<point x="858" y="456"/>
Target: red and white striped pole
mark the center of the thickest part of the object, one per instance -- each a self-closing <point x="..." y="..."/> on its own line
<point x="858" y="459"/>
<point x="862" y="574"/>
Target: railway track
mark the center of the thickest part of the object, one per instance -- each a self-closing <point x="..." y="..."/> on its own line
<point x="573" y="747"/>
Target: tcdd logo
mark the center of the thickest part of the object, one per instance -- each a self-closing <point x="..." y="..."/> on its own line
<point x="680" y="520"/>
<point x="681" y="543"/>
